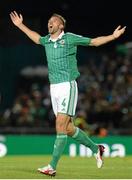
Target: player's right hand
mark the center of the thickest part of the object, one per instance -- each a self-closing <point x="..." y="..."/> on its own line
<point x="16" y="19"/>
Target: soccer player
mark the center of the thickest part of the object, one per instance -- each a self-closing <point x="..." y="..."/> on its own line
<point x="61" y="51"/>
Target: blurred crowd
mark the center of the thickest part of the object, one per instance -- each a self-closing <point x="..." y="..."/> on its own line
<point x="104" y="104"/>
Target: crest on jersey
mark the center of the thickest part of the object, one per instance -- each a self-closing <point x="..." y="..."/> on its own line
<point x="62" y="42"/>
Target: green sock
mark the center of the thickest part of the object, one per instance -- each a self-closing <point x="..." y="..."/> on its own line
<point x="59" y="146"/>
<point x="83" y="138"/>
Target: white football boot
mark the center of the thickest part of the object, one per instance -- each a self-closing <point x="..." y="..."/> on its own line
<point x="99" y="155"/>
<point x="47" y="170"/>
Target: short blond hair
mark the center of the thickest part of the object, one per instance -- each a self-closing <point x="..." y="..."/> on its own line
<point x="61" y="18"/>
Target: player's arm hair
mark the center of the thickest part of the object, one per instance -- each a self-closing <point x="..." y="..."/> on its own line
<point x="34" y="36"/>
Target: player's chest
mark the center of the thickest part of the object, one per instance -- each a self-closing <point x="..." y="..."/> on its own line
<point x="58" y="45"/>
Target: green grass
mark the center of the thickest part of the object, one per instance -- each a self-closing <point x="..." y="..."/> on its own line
<point x="25" y="167"/>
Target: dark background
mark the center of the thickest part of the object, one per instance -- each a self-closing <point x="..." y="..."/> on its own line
<point x="87" y="17"/>
<point x="90" y="18"/>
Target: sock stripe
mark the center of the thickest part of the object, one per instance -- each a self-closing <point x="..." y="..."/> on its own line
<point x="62" y="136"/>
<point x="76" y="132"/>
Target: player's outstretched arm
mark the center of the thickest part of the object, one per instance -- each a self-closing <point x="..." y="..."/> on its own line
<point x="105" y="39"/>
<point x="18" y="21"/>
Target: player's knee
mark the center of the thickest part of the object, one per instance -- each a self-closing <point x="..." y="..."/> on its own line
<point x="61" y="123"/>
<point x="70" y="131"/>
<point x="60" y="127"/>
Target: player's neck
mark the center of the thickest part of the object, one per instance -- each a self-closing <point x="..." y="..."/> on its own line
<point x="55" y="35"/>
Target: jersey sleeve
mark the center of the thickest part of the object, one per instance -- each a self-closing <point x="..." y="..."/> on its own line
<point x="42" y="40"/>
<point x="79" y="40"/>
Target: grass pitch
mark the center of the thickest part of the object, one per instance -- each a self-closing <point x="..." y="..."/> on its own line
<point x="25" y="167"/>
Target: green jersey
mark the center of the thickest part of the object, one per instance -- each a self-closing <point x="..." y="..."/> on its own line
<point x="61" y="56"/>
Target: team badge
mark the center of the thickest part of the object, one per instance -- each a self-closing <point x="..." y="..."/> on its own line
<point x="62" y="42"/>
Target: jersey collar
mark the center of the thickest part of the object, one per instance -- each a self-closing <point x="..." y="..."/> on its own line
<point x="59" y="37"/>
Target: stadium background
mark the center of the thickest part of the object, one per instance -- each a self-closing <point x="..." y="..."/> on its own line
<point x="105" y="107"/>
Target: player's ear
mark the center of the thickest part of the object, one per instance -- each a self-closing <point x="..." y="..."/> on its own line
<point x="61" y="26"/>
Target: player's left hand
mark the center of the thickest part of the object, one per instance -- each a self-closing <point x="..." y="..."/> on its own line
<point x="119" y="31"/>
